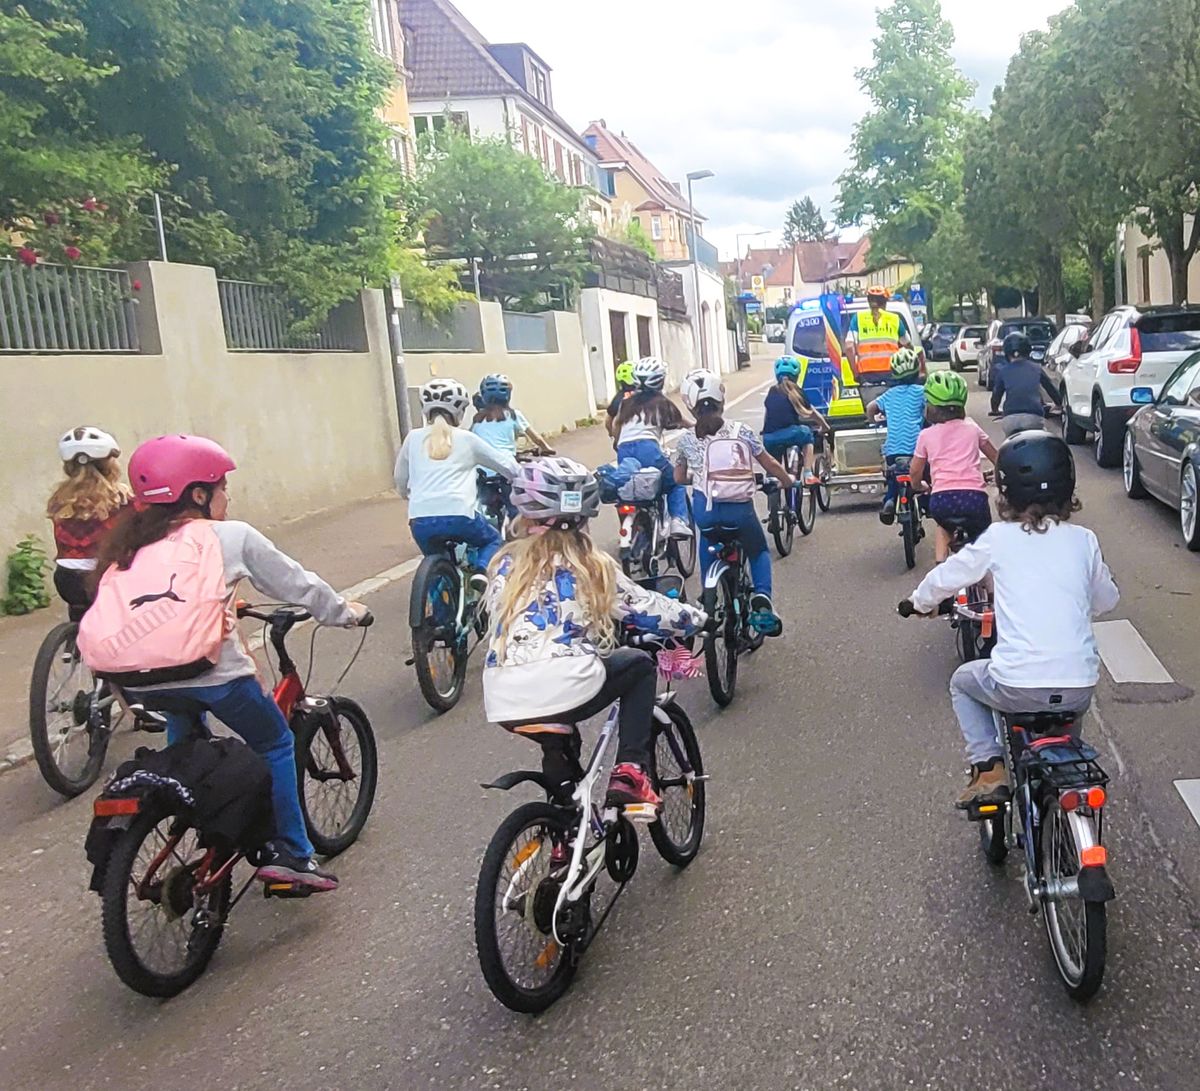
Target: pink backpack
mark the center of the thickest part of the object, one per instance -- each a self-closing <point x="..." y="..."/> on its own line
<point x="729" y="468"/>
<point x="163" y="618"/>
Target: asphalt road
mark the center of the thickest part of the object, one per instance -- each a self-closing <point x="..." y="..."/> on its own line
<point x="839" y="928"/>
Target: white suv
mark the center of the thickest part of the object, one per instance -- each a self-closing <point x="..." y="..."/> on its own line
<point x="1130" y="347"/>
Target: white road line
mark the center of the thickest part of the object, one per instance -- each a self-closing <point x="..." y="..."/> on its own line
<point x="749" y="394"/>
<point x="1126" y="655"/>
<point x="1190" y="790"/>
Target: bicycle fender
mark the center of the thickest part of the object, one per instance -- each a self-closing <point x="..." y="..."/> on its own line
<point x="510" y="780"/>
<point x="416" y="600"/>
<point x="1095" y="885"/>
<point x="713" y="576"/>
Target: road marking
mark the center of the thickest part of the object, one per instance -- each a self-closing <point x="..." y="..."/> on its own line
<point x="1190" y="790"/>
<point x="1126" y="655"/>
<point x="749" y="394"/>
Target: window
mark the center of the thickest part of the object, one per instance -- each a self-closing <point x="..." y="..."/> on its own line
<point x="525" y="134"/>
<point x="671" y="227"/>
<point x="558" y="162"/>
<point x="540" y="85"/>
<point x="1169" y="332"/>
<point x="382" y="31"/>
<point x="1184" y="381"/>
<point x="1103" y="333"/>
<point x="656" y="228"/>
<point x="436" y="123"/>
<point x="398" y="149"/>
<point x="608" y="182"/>
<point x="545" y="149"/>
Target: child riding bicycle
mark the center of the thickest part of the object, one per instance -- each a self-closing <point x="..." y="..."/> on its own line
<point x="499" y="422"/>
<point x="718" y="458"/>
<point x="1019" y="384"/>
<point x="789" y="420"/>
<point x="903" y="404"/>
<point x="1050" y="582"/>
<point x="179" y="523"/>
<point x="83" y="508"/>
<point x="949" y="448"/>
<point x="553" y="655"/>
<point x="435" y="472"/>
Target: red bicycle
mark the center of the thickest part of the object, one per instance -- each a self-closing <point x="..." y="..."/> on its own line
<point x="165" y="890"/>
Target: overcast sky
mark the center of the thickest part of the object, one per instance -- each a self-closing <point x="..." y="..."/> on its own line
<point x="763" y="95"/>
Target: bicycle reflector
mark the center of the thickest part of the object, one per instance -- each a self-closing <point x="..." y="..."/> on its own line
<point x="1070" y="800"/>
<point x="626" y="509"/>
<point x="1094" y="856"/>
<point x="1096" y="798"/>
<point x="109" y="808"/>
<point x="986" y="625"/>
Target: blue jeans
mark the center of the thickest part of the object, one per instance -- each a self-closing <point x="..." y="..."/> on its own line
<point x="650" y="455"/>
<point x="243" y="707"/>
<point x="431" y="531"/>
<point x="798" y="435"/>
<point x="750" y="534"/>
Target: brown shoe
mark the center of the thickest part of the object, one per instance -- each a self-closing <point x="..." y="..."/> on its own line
<point x="988" y="784"/>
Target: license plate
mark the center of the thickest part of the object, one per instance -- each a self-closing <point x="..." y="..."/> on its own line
<point x="1037" y="354"/>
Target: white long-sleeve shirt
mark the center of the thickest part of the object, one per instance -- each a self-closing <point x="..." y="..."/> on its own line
<point x="446" y="486"/>
<point x="1048" y="587"/>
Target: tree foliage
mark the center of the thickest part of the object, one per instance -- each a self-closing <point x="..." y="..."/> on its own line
<point x="635" y="235"/>
<point x="804" y="223"/>
<point x="486" y="202"/>
<point x="906" y="165"/>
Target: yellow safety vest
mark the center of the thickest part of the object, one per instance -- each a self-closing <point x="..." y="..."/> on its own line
<point x="878" y="341"/>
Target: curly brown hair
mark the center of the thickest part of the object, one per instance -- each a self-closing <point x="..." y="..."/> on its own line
<point x="1037" y="518"/>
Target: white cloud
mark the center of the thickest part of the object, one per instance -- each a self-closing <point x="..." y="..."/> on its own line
<point x="768" y="103"/>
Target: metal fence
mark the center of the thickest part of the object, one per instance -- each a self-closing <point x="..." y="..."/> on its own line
<point x="257" y="318"/>
<point x="528" y="333"/>
<point x="459" y="331"/>
<point x="65" y="308"/>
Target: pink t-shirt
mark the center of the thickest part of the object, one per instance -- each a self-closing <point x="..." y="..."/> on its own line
<point x="952" y="451"/>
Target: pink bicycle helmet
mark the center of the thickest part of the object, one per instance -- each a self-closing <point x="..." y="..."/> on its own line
<point x="161" y="469"/>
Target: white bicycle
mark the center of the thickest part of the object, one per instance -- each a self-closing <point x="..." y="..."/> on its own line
<point x="533" y="904"/>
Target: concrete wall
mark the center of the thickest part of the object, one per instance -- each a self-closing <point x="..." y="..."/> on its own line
<point x="552" y="389"/>
<point x="308" y="430"/>
<point x="678" y="349"/>
<point x="716" y="353"/>
<point x="1148" y="281"/>
<point x="595" y="305"/>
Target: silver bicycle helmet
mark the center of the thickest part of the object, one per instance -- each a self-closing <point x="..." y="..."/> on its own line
<point x="650" y="373"/>
<point x="448" y="395"/>
<point x="556" y="489"/>
<point x="87" y="444"/>
<point x="701" y="385"/>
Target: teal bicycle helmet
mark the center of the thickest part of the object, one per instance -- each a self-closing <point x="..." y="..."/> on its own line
<point x="787" y="367"/>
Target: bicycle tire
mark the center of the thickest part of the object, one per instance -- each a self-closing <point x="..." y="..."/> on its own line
<point x="823" y="492"/>
<point x="783" y="529"/>
<point x="684" y="552"/>
<point x="964" y="640"/>
<point x="721" y="601"/>
<point x="119" y="943"/>
<point x="909" y="531"/>
<point x="513" y="994"/>
<point x="806" y="509"/>
<point x="1082" y="973"/>
<point x="330" y="843"/>
<point x="678" y="853"/>
<point x="59" y="638"/>
<point x="425" y="638"/>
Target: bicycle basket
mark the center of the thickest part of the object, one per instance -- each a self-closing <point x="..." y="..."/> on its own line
<point x="644" y="485"/>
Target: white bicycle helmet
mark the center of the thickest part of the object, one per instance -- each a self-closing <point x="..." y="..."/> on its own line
<point x="650" y="373"/>
<point x="701" y="385"/>
<point x="87" y="444"/>
<point x="556" y="489"/>
<point x="448" y="395"/>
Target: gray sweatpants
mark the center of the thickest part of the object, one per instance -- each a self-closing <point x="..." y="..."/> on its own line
<point x="974" y="693"/>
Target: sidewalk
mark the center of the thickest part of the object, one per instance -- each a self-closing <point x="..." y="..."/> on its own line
<point x="345" y="545"/>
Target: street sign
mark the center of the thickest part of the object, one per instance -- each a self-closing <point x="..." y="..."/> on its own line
<point x="754" y="307"/>
<point x="758" y="286"/>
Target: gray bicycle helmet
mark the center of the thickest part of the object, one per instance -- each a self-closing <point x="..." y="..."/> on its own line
<point x="556" y="490"/>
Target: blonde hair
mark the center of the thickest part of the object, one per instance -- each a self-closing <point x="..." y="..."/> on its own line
<point x="535" y="556"/>
<point x="440" y="440"/>
<point x="789" y="387"/>
<point x="90" y="490"/>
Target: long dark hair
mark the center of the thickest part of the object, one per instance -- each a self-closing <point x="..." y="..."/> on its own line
<point x="492" y="411"/>
<point x="654" y="407"/>
<point x="710" y="417"/>
<point x="136" y="528"/>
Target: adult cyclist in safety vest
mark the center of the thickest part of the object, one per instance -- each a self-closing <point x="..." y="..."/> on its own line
<point x="872" y="340"/>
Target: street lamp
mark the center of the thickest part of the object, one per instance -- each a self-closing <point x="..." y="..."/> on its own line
<point x="697" y="176"/>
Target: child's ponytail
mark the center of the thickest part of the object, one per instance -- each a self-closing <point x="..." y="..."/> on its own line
<point x="440" y="440"/>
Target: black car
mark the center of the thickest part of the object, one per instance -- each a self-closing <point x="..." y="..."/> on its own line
<point x="1040" y="331"/>
<point x="1160" y="454"/>
<point x="937" y="344"/>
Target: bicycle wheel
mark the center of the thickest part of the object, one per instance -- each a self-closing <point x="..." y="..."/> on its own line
<point x="439" y="649"/>
<point x="806" y="508"/>
<point x="823" y="493"/>
<point x="337" y="767"/>
<point x="966" y="640"/>
<point x="783" y="527"/>
<point x="158" y="938"/>
<point x="676" y="767"/>
<point x="1076" y="928"/>
<point x="910" y="530"/>
<point x="683" y="551"/>
<point x="721" y="647"/>
<point x="526" y="968"/>
<point x="60" y="699"/>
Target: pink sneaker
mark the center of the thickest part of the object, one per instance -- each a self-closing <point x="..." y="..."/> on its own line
<point x="631" y="787"/>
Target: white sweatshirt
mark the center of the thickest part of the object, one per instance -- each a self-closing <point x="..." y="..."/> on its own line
<point x="446" y="487"/>
<point x="250" y="555"/>
<point x="1048" y="587"/>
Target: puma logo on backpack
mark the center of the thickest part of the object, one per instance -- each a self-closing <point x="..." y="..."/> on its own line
<point x="729" y="469"/>
<point x="137" y="634"/>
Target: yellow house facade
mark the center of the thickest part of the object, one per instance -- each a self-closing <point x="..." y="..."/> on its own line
<point x="393" y="42"/>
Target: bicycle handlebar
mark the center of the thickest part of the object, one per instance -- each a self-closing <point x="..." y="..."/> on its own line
<point x="290" y="615"/>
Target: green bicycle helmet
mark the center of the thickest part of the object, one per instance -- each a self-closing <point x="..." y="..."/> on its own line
<point x="946" y="388"/>
<point x="624" y="374"/>
<point x="905" y="363"/>
<point x="787" y="367"/>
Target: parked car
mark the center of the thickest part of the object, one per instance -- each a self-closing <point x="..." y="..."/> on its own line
<point x="1133" y="347"/>
<point x="941" y="339"/>
<point x="774" y="332"/>
<point x="1077" y="320"/>
<point x="1059" y="354"/>
<point x="926" y="332"/>
<point x="1040" y="331"/>
<point x="1159" y="452"/>
<point x="965" y="347"/>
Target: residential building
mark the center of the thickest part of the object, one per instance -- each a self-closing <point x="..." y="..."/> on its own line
<point x="771" y="273"/>
<point x="459" y="78"/>
<point x="864" y="270"/>
<point x="1147" y="272"/>
<point x="640" y="191"/>
<point x="393" y="42"/>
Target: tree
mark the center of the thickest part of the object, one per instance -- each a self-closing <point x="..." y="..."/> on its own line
<point x="489" y="203"/>
<point x="906" y="160"/>
<point x="635" y="235"/>
<point x="954" y="266"/>
<point x="804" y="223"/>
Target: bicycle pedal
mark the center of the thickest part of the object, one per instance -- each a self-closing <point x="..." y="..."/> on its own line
<point x="640" y="812"/>
<point x="992" y="808"/>
<point x="286" y="890"/>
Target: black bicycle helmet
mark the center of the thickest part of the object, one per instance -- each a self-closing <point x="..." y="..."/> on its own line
<point x="1035" y="468"/>
<point x="1017" y="344"/>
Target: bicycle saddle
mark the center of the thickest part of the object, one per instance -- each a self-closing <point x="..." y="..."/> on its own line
<point x="1043" y="723"/>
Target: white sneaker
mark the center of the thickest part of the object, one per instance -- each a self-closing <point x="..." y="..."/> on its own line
<point x="680" y="528"/>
